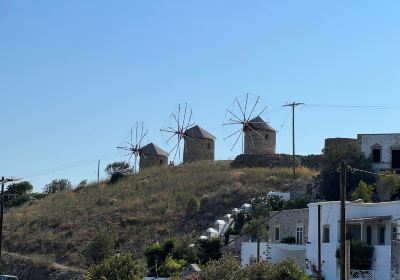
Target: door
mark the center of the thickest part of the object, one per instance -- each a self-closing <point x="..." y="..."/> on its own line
<point x="396" y="159"/>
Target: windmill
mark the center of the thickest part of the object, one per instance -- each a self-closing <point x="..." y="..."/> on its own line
<point x="243" y="121"/>
<point x="131" y="146"/>
<point x="175" y="129"/>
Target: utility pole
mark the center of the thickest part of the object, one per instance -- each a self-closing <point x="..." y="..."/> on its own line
<point x="98" y="172"/>
<point x="3" y="182"/>
<point x="343" y="259"/>
<point x="293" y="105"/>
<point x="319" y="244"/>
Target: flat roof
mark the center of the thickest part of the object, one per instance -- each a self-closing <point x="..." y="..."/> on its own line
<point x="368" y="219"/>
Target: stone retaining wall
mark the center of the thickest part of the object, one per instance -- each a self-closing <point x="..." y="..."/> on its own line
<point x="276" y="160"/>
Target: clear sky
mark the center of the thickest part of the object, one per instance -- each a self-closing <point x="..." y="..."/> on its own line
<point x="76" y="75"/>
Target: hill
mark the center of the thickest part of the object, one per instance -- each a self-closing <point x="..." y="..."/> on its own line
<point x="139" y="209"/>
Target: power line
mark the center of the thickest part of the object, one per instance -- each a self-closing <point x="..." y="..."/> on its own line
<point x="338" y="106"/>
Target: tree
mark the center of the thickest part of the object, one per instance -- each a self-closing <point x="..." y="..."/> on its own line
<point x="388" y="185"/>
<point x="101" y="247"/>
<point x="117" y="170"/>
<point x="58" y="185"/>
<point x="21" y="188"/>
<point x="364" y="192"/>
<point x="18" y="194"/>
<point x="117" y="268"/>
<point x="226" y="268"/>
<point x="209" y="249"/>
<point x="330" y="177"/>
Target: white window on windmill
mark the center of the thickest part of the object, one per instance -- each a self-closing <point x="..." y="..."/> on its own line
<point x="376" y="153"/>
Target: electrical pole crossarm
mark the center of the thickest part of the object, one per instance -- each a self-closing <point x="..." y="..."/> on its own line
<point x="293" y="105"/>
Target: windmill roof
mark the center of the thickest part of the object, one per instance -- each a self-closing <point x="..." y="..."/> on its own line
<point x="153" y="150"/>
<point x="196" y="132"/>
<point x="259" y="124"/>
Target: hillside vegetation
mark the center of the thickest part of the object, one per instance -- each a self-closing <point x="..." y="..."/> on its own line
<point x="139" y="209"/>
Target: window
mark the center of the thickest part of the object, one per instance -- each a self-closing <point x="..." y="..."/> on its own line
<point x="277" y="234"/>
<point x="394" y="233"/>
<point x="299" y="235"/>
<point x="369" y="235"/>
<point x="381" y="235"/>
<point x="161" y="161"/>
<point x="376" y="155"/>
<point x="209" y="146"/>
<point x="326" y="234"/>
<point x="266" y="136"/>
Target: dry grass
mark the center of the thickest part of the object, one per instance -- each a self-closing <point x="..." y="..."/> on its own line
<point x="138" y="210"/>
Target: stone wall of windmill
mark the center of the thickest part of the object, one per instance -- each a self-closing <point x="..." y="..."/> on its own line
<point x="259" y="138"/>
<point x="153" y="156"/>
<point x="199" y="145"/>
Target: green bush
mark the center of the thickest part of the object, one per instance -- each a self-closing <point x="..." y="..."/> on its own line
<point x="193" y="206"/>
<point x="101" y="247"/>
<point x="117" y="268"/>
<point x="289" y="240"/>
<point x="364" y="192"/>
<point x="361" y="255"/>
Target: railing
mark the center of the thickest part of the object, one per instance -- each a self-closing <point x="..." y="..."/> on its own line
<point x="362" y="275"/>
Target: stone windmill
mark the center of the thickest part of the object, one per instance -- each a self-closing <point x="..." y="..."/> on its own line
<point x="181" y="129"/>
<point x="244" y="123"/>
<point x="147" y="156"/>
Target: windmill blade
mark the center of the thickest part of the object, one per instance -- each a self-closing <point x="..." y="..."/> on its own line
<point x="236" y="140"/>
<point x="252" y="142"/>
<point x="141" y="139"/>
<point x="171" y="138"/>
<point x="184" y="116"/>
<point x="229" y="111"/>
<point x="166" y="130"/>
<point x="245" y="106"/>
<point x="233" y="134"/>
<point x="240" y="107"/>
<point x="254" y="107"/>
<point x="262" y="111"/>
<point x="136" y="133"/>
<point x="256" y="132"/>
<point x="190" y="119"/>
<point x="179" y="117"/>
<point x="176" y="150"/>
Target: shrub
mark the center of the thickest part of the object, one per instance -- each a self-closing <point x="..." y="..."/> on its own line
<point x="289" y="240"/>
<point x="364" y="192"/>
<point x="288" y="270"/>
<point x="193" y="206"/>
<point x="361" y="255"/>
<point x="209" y="249"/>
<point x="117" y="170"/>
<point x="101" y="247"/>
<point x="117" y="268"/>
<point x="224" y="269"/>
<point x="58" y="185"/>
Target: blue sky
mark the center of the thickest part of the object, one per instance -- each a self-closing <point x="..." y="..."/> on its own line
<point x="76" y="75"/>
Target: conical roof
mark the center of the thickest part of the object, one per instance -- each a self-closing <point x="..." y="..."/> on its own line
<point x="196" y="132"/>
<point x="259" y="124"/>
<point x="153" y="150"/>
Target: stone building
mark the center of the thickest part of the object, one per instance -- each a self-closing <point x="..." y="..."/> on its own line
<point x="337" y="144"/>
<point x="382" y="149"/>
<point x="199" y="145"/>
<point x="152" y="156"/>
<point x="260" y="139"/>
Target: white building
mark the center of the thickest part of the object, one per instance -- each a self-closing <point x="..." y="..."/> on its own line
<point x="377" y="224"/>
<point x="383" y="149"/>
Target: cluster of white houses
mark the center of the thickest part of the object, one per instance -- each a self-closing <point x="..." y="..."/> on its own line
<point x="376" y="224"/>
